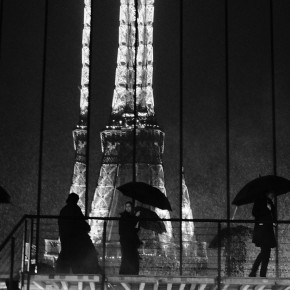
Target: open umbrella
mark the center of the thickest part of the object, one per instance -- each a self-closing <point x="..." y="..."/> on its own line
<point x="259" y="186"/>
<point x="145" y="193"/>
<point x="156" y="225"/>
<point x="4" y="196"/>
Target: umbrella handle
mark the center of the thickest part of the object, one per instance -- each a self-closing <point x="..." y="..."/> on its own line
<point x="233" y="217"/>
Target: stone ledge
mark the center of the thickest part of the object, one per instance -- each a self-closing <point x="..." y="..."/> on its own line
<point x="120" y="282"/>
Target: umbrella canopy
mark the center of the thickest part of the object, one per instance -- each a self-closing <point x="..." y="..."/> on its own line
<point x="260" y="186"/>
<point x="156" y="225"/>
<point x="4" y="196"/>
<point x="145" y="193"/>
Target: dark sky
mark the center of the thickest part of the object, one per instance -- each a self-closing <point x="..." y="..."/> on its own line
<point x="203" y="97"/>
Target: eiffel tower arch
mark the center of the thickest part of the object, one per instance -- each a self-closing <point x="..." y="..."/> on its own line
<point x="117" y="169"/>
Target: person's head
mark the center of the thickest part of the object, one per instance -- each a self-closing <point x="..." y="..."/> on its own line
<point x="128" y="206"/>
<point x="270" y="195"/>
<point x="72" y="198"/>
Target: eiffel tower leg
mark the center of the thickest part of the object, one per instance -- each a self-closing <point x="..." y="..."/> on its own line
<point x="79" y="175"/>
<point x="103" y="199"/>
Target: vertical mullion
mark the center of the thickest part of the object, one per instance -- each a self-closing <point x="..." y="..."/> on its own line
<point x="274" y="136"/>
<point x="42" y="105"/>
<point x="1" y="25"/>
<point x="89" y="111"/>
<point x="227" y="102"/>
<point x="181" y="125"/>
<point x="135" y="97"/>
<point x="227" y="111"/>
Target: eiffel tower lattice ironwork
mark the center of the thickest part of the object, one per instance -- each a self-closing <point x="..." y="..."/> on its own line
<point x="124" y="132"/>
<point x="118" y="137"/>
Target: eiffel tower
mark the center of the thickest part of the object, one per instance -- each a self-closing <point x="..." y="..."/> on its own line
<point x="132" y="137"/>
<point x="118" y="137"/>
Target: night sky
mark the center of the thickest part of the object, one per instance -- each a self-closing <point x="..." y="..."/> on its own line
<point x="204" y="109"/>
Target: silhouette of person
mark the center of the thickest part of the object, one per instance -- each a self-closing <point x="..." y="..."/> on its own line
<point x="264" y="236"/>
<point x="129" y="240"/>
<point x="14" y="284"/>
<point x="78" y="254"/>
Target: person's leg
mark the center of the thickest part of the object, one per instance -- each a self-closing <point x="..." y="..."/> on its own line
<point x="87" y="256"/>
<point x="256" y="265"/>
<point x="63" y="263"/>
<point x="124" y="260"/>
<point x="266" y="253"/>
<point x="76" y="257"/>
<point x="135" y="262"/>
<point x="129" y="261"/>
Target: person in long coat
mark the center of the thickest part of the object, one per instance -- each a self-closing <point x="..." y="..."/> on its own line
<point x="264" y="235"/>
<point x="78" y="254"/>
<point x="129" y="240"/>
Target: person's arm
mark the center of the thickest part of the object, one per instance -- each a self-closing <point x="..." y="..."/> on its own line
<point x="273" y="213"/>
<point x="81" y="221"/>
<point x="260" y="209"/>
<point x="137" y="215"/>
<point x="262" y="213"/>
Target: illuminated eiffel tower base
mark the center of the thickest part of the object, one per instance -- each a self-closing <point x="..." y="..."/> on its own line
<point x="159" y="252"/>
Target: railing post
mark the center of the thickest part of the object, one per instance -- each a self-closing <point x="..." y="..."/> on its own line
<point x="277" y="250"/>
<point x="23" y="252"/>
<point x="30" y="245"/>
<point x="30" y="255"/>
<point x="104" y="254"/>
<point x="180" y="250"/>
<point x="11" y="263"/>
<point x="219" y="256"/>
<point x="228" y="249"/>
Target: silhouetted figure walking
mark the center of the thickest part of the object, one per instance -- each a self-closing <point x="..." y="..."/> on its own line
<point x="264" y="236"/>
<point x="129" y="241"/>
<point x="78" y="253"/>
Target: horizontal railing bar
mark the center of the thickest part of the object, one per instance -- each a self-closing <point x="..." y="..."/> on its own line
<point x="117" y="218"/>
<point x="249" y="221"/>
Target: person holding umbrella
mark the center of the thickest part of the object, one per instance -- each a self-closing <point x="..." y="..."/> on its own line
<point x="261" y="192"/>
<point x="129" y="240"/>
<point x="264" y="236"/>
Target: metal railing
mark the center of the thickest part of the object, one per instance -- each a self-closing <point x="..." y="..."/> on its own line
<point x="220" y="248"/>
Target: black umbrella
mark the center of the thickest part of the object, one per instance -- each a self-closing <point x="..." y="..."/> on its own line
<point x="260" y="186"/>
<point x="156" y="225"/>
<point x="4" y="196"/>
<point x="145" y="193"/>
